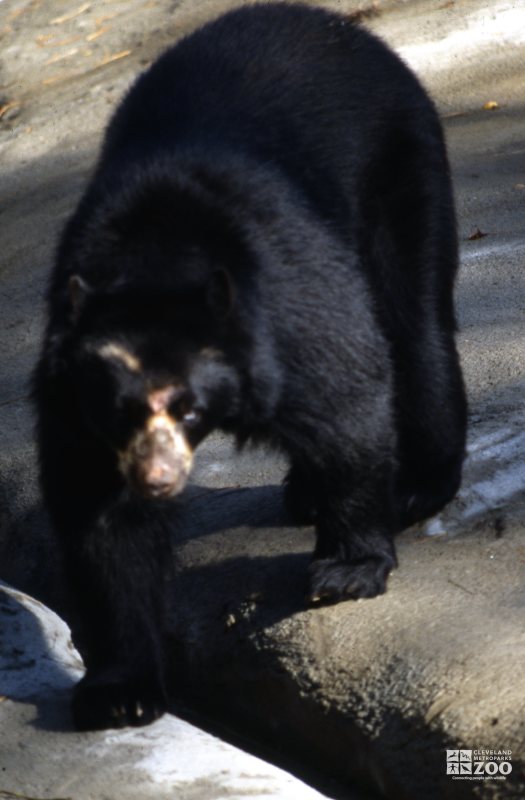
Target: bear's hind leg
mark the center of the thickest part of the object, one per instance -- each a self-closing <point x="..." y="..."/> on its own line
<point x="432" y="433"/>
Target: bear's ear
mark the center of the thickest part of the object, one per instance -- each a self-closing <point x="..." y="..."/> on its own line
<point x="220" y="293"/>
<point x="78" y="291"/>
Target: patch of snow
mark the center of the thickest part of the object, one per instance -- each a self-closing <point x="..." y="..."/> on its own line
<point x="496" y="462"/>
<point x="492" y="492"/>
<point x="434" y="527"/>
<point x="487" y="439"/>
<point x="489" y="249"/>
<point x="177" y="754"/>
<point x="37" y="658"/>
<point x="43" y="656"/>
<point x="507" y="448"/>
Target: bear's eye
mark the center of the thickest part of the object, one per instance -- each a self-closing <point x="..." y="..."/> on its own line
<point x="191" y="418"/>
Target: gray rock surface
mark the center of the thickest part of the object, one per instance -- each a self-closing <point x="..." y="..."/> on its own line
<point x="39" y="755"/>
<point x="375" y="690"/>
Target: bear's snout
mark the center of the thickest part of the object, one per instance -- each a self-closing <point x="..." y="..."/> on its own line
<point x="158" y="460"/>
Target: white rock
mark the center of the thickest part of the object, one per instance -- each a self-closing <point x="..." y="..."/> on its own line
<point x="37" y="661"/>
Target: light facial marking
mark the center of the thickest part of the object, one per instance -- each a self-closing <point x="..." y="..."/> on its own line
<point x="158" y="459"/>
<point x="113" y="350"/>
<point x="165" y="427"/>
<point x="167" y="431"/>
<point x="159" y="399"/>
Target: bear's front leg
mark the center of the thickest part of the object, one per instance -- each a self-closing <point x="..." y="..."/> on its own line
<point x="116" y="568"/>
<point x="355" y="527"/>
<point x="115" y="548"/>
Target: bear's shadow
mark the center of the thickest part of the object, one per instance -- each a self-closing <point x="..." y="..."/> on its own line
<point x="268" y="570"/>
<point x="205" y="511"/>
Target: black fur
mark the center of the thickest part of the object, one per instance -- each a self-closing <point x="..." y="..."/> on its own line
<point x="270" y="230"/>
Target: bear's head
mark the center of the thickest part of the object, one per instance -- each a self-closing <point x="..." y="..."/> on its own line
<point x="151" y="378"/>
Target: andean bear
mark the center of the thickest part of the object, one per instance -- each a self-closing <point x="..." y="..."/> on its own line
<point x="267" y="246"/>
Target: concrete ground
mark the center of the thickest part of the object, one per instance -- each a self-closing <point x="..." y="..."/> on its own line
<point x="371" y="693"/>
<point x="41" y="756"/>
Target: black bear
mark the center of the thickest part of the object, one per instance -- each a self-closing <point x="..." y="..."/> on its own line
<point x="267" y="246"/>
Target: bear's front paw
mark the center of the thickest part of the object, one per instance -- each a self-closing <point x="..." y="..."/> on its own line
<point x="333" y="580"/>
<point x="101" y="702"/>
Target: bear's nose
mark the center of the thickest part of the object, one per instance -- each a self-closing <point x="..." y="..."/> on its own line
<point x="158" y="480"/>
